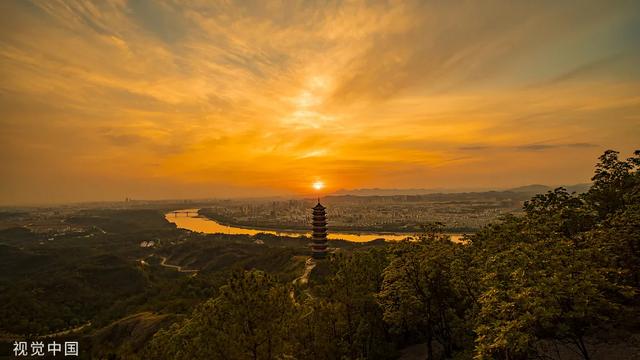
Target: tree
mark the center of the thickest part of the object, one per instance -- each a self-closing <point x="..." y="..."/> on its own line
<point x="559" y="212"/>
<point x="249" y="320"/>
<point x="616" y="183"/>
<point x="546" y="289"/>
<point x="345" y="320"/>
<point x="617" y="242"/>
<point x="420" y="293"/>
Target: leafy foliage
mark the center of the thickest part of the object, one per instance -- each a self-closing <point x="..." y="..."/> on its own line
<point x="344" y="320"/>
<point x="248" y="320"/>
<point x="420" y="292"/>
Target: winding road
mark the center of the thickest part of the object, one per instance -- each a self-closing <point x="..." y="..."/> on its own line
<point x="176" y="267"/>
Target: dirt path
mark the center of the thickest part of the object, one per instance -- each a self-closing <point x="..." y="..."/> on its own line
<point x="304" y="278"/>
<point x="65" y="332"/>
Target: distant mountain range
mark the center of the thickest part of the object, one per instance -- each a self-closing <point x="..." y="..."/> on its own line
<point x="539" y="189"/>
<point x="528" y="189"/>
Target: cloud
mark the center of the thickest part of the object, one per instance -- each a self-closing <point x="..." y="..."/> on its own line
<point x="159" y="18"/>
<point x="536" y="147"/>
<point x="542" y="147"/>
<point x="474" y="147"/>
<point x="528" y="147"/>
<point x="582" y="145"/>
<point x="587" y="69"/>
<point x="265" y="95"/>
<point x="124" y="140"/>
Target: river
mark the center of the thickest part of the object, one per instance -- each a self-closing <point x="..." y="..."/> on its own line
<point x="209" y="226"/>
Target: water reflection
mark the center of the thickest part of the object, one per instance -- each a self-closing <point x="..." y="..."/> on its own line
<point x="208" y="226"/>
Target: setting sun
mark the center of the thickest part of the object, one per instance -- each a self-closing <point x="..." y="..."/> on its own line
<point x="318" y="185"/>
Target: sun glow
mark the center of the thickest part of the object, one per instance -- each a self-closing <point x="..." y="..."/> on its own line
<point x="318" y="185"/>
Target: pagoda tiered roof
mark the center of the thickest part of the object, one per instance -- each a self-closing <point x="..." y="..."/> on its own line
<point x="319" y="235"/>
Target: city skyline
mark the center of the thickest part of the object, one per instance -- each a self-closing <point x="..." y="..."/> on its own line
<point x="156" y="100"/>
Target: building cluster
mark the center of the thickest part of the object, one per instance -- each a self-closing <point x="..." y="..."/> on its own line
<point x="368" y="213"/>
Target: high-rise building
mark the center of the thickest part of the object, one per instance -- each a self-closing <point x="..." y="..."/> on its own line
<point x="319" y="237"/>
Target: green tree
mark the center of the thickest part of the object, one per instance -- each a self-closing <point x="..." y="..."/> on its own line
<point x="616" y="183"/>
<point x="420" y="292"/>
<point x="617" y="242"/>
<point x="345" y="320"/>
<point x="249" y="320"/>
<point x="558" y="212"/>
<point x="545" y="289"/>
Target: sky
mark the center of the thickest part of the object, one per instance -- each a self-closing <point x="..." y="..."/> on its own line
<point x="190" y="99"/>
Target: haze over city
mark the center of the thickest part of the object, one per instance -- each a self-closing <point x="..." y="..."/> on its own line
<point x="153" y="100"/>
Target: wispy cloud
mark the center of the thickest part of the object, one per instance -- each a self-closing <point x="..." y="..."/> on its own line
<point x="528" y="147"/>
<point x="265" y="97"/>
<point x="542" y="147"/>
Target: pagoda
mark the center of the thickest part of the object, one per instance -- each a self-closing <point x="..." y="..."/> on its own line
<point x="319" y="237"/>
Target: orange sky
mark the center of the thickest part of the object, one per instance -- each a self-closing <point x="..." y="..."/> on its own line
<point x="112" y="99"/>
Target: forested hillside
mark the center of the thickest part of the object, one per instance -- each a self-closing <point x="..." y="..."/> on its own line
<point x="561" y="280"/>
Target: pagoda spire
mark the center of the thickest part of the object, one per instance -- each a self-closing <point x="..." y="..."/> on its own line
<point x="319" y="236"/>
